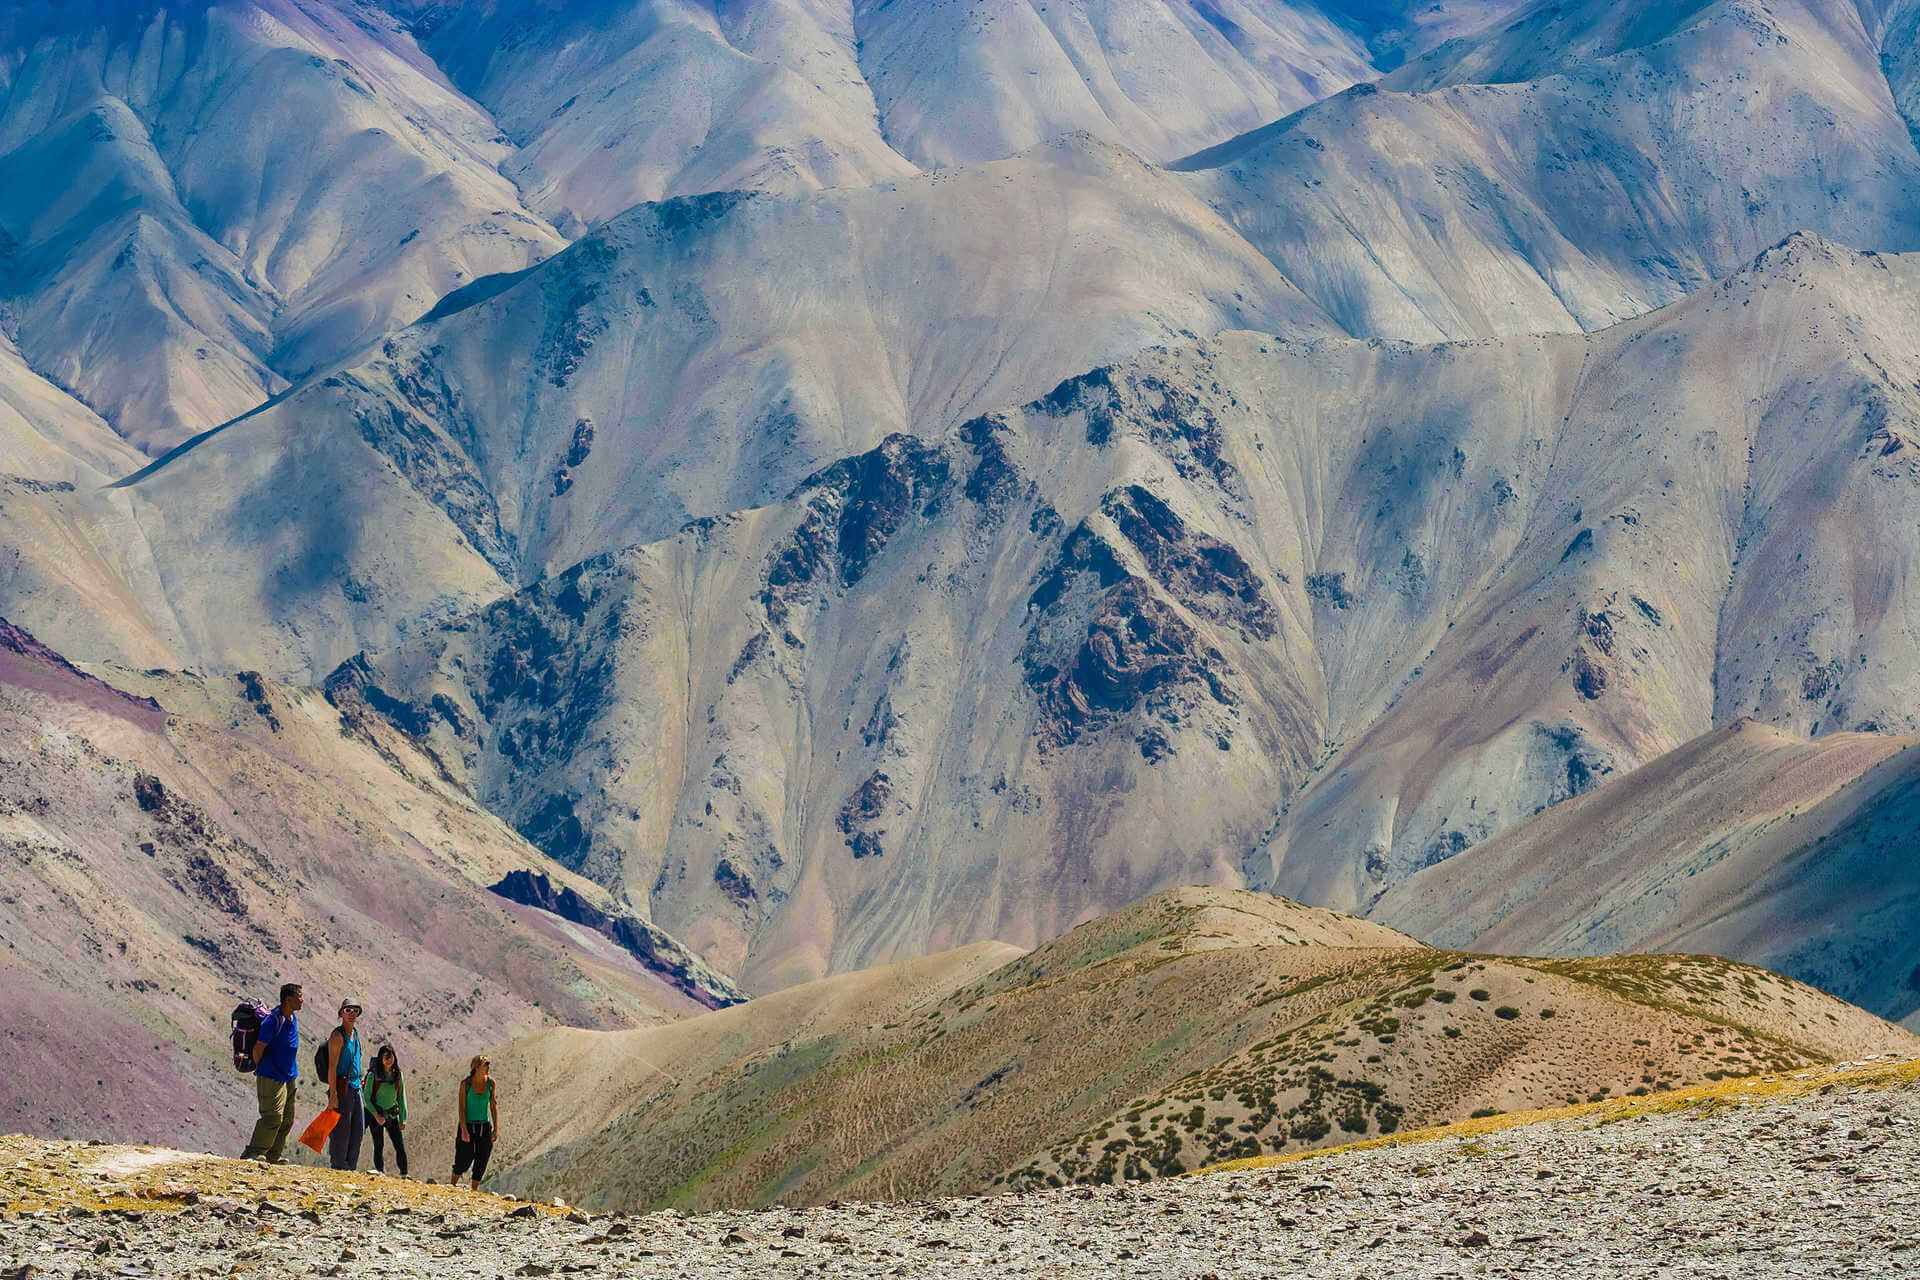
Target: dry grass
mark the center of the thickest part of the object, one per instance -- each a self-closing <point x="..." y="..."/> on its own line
<point x="1747" y="1090"/>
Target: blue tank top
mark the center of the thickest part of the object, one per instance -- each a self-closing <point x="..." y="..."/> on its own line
<point x="350" y="1066"/>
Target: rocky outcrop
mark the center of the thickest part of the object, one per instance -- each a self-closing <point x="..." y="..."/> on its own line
<point x="854" y="507"/>
<point x="18" y="640"/>
<point x="639" y="939"/>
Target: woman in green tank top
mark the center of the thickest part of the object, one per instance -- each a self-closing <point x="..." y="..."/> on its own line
<point x="386" y="1095"/>
<point x="479" y="1121"/>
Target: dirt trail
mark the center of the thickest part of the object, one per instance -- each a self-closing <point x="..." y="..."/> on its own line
<point x="1801" y="1174"/>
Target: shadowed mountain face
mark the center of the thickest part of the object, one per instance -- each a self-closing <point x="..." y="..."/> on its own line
<point x="199" y="203"/>
<point x="1748" y="841"/>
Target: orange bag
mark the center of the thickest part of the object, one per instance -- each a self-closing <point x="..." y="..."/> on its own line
<point x="316" y="1134"/>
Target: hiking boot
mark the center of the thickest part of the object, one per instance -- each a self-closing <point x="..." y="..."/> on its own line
<point x="276" y="1160"/>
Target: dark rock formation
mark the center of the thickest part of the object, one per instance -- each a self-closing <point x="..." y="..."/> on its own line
<point x="1331" y="588"/>
<point x="649" y="945"/>
<point x="856" y="507"/>
<point x="867" y="805"/>
<point x="1200" y="571"/>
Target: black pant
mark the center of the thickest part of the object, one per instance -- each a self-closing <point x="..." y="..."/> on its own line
<point x="343" y="1146"/>
<point x="389" y="1128"/>
<point x="473" y="1151"/>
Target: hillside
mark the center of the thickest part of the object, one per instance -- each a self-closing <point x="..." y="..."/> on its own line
<point x="1748" y="842"/>
<point x="202" y="205"/>
<point x="1580" y="164"/>
<point x="1677" y="1180"/>
<point x="729" y="347"/>
<point x="166" y="858"/>
<point x="844" y="573"/>
<point x="1192" y="1027"/>
<point x="689" y="359"/>
<point x="1225" y="612"/>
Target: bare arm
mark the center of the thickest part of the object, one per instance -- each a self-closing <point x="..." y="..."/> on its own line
<point x="464" y="1135"/>
<point x="335" y="1043"/>
<point x="493" y="1107"/>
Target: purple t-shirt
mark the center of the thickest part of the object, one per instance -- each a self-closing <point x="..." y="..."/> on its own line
<point x="281" y="1034"/>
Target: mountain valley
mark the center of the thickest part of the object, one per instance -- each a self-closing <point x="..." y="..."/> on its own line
<point x="905" y="598"/>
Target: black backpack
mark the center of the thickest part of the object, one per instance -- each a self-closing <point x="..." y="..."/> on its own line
<point x="320" y="1054"/>
<point x="247" y="1017"/>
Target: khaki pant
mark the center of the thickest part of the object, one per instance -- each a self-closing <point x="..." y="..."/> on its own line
<point x="276" y="1120"/>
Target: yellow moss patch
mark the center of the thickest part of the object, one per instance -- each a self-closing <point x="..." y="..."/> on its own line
<point x="40" y="1174"/>
<point x="1771" y="1087"/>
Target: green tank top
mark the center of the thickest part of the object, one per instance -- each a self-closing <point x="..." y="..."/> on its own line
<point x="477" y="1104"/>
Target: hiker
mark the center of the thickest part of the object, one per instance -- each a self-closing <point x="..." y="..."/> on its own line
<point x="276" y="1064"/>
<point x="479" y="1122"/>
<point x="386" y="1100"/>
<point x="344" y="1071"/>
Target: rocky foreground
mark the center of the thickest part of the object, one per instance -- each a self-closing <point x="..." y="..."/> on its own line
<point x="1810" y="1174"/>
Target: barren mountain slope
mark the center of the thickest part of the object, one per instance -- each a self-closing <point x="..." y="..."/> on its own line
<point x="1623" y="156"/>
<point x="730" y="358"/>
<point x="609" y="104"/>
<point x="1748" y="842"/>
<point x="74" y="556"/>
<point x="691" y="358"/>
<point x="201" y="202"/>
<point x="48" y="436"/>
<point x="957" y="81"/>
<point x="1707" y="531"/>
<point x="163" y="863"/>
<point x="614" y="102"/>
<point x="943" y="1075"/>
<point x="1311" y="615"/>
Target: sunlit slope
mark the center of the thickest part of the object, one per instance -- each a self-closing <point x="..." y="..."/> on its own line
<point x="1190" y="1026"/>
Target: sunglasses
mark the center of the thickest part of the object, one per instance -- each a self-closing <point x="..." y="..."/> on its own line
<point x="352" y="1008"/>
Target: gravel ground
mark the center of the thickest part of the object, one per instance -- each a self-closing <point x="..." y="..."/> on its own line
<point x="1824" y="1185"/>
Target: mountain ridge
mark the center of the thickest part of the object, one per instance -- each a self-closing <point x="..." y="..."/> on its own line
<point x="1190" y="1027"/>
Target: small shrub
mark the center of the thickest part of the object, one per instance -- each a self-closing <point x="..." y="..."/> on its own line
<point x="1546" y="1013"/>
<point x="1484" y="1112"/>
<point x="1479" y="993"/>
<point x="1507" y="1012"/>
<point x="1446" y="997"/>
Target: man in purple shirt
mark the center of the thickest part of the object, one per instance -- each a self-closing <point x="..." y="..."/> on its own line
<point x="276" y="1057"/>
